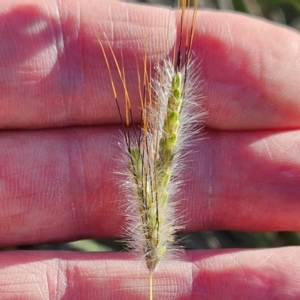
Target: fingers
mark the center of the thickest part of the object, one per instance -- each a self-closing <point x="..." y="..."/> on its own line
<point x="248" y="274"/>
<point x="245" y="181"/>
<point x="250" y="81"/>
<point x="53" y="71"/>
<point x="67" y="178"/>
<point x="228" y="274"/>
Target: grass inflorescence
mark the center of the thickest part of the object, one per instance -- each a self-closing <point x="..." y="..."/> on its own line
<point x="170" y="115"/>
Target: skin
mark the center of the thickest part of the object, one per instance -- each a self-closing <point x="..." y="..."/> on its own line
<point x="59" y="134"/>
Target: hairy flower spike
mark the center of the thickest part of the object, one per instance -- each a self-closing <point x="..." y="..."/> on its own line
<point x="170" y="116"/>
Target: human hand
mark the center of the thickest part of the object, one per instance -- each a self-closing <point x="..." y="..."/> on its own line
<point x="58" y="182"/>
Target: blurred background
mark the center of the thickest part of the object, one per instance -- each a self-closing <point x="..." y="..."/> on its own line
<point x="281" y="11"/>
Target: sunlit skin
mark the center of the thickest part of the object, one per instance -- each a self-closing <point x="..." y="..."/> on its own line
<point x="58" y="183"/>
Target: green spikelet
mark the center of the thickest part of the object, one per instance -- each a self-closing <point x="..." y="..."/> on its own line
<point x="151" y="175"/>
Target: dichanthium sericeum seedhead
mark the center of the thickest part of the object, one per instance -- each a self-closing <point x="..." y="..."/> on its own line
<point x="170" y="116"/>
